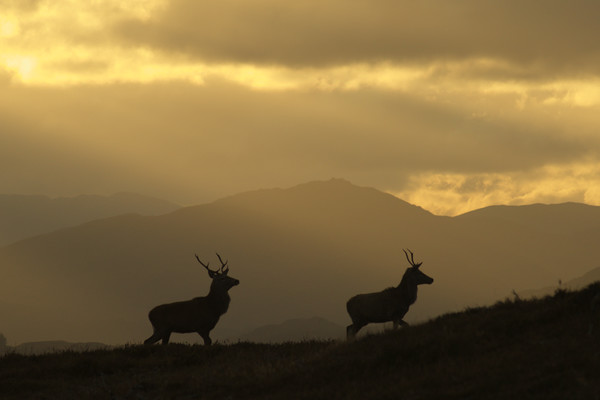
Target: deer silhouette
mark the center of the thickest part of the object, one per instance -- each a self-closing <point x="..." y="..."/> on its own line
<point x="199" y="314"/>
<point x="390" y="304"/>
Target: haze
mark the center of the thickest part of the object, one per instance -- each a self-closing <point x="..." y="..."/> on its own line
<point x="299" y="253"/>
<point x="449" y="105"/>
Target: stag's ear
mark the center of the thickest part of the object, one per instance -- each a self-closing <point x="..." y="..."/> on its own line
<point x="418" y="265"/>
<point x="212" y="274"/>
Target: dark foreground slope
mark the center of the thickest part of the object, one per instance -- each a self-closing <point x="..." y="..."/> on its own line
<point x="538" y="349"/>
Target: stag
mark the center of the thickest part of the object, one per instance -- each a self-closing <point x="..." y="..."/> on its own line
<point x="390" y="304"/>
<point x="200" y="314"/>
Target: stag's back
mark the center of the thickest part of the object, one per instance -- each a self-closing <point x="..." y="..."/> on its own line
<point x="376" y="307"/>
<point x="188" y="316"/>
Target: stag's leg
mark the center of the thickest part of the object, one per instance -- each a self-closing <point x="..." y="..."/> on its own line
<point x="400" y="322"/>
<point x="352" y="330"/>
<point x="165" y="337"/>
<point x="206" y="338"/>
<point x="156" y="336"/>
<point x="151" y="340"/>
<point x="350" y="333"/>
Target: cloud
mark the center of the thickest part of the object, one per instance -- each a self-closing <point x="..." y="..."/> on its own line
<point x="6" y="77"/>
<point x="550" y="37"/>
<point x="454" y="194"/>
<point x="327" y="45"/>
<point x="192" y="143"/>
<point x="83" y="66"/>
<point x="20" y="5"/>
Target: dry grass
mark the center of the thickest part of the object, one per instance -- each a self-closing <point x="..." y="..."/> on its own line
<point x="540" y="349"/>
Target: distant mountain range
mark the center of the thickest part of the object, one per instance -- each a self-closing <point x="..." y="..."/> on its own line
<point x="298" y="252"/>
<point x="23" y="216"/>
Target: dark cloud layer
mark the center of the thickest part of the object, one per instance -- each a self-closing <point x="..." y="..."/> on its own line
<point x="550" y="37"/>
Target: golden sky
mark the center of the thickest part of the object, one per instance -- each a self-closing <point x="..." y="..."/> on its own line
<point x="451" y="105"/>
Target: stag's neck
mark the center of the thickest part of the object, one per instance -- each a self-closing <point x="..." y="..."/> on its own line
<point x="407" y="290"/>
<point x="220" y="299"/>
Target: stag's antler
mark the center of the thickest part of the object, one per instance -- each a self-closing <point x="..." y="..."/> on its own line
<point x="223" y="270"/>
<point x="210" y="271"/>
<point x="411" y="261"/>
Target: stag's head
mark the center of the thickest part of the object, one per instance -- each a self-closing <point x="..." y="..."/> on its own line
<point x="220" y="280"/>
<point x="413" y="273"/>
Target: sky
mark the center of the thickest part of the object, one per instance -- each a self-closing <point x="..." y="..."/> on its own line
<point x="450" y="105"/>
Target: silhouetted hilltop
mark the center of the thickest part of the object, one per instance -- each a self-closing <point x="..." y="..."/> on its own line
<point x="297" y="252"/>
<point x="22" y="216"/>
<point x="335" y="196"/>
<point x="539" y="349"/>
<point x="320" y="208"/>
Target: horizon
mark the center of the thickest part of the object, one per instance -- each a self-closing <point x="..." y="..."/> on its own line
<point x="433" y="102"/>
<point x="462" y="211"/>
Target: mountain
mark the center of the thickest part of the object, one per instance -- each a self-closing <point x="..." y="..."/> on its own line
<point x="566" y="218"/>
<point x="298" y="252"/>
<point x="22" y="216"/>
<point x="296" y="330"/>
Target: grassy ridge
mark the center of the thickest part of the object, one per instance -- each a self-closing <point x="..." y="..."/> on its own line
<point x="539" y="349"/>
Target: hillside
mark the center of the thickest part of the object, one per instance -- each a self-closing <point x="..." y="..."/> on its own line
<point x="23" y="216"/>
<point x="573" y="284"/>
<point x="537" y="349"/>
<point x="299" y="253"/>
<point x="299" y="329"/>
<point x="32" y="348"/>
